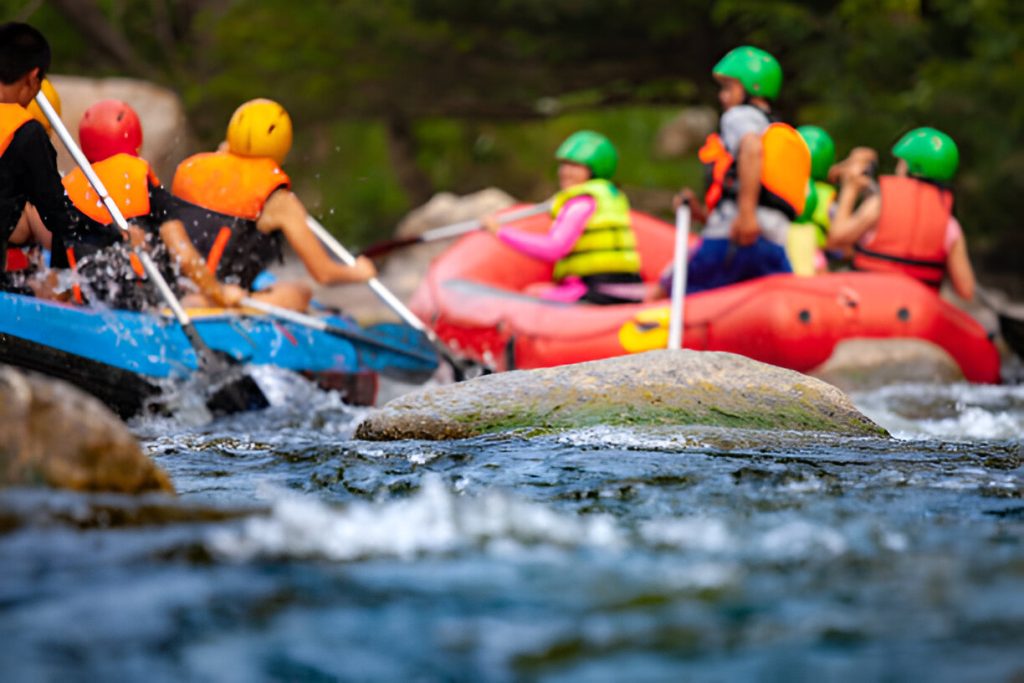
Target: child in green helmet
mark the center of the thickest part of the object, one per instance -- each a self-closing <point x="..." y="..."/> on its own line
<point x="756" y="186"/>
<point x="809" y="232"/>
<point x="591" y="241"/>
<point x="905" y="223"/>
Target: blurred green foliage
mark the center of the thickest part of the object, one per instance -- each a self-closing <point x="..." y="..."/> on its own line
<point x="394" y="99"/>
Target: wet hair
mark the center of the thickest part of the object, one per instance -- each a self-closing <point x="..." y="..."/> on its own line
<point x="22" y="48"/>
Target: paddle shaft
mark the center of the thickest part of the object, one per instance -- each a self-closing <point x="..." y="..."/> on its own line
<point x="155" y="276"/>
<point x="679" y="262"/>
<point x="323" y="326"/>
<point x="382" y="292"/>
<point x="454" y="230"/>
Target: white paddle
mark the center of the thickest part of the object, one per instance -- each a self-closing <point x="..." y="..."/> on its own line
<point x="679" y="261"/>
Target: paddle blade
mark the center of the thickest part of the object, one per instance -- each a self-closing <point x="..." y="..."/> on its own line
<point x="235" y="395"/>
<point x="1010" y="315"/>
<point x="1012" y="330"/>
<point x="417" y="364"/>
<point x="229" y="389"/>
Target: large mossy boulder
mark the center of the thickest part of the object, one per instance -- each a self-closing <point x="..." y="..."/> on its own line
<point x="53" y="434"/>
<point x="654" y="388"/>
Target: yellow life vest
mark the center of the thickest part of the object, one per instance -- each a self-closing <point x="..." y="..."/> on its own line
<point x="607" y="244"/>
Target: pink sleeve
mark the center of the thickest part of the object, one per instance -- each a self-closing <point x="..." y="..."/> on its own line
<point x="953" y="233"/>
<point x="559" y="240"/>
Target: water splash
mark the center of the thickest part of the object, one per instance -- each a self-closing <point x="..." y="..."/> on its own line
<point x="434" y="521"/>
<point x="956" y="412"/>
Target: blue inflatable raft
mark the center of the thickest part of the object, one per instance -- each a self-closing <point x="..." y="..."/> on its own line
<point x="124" y="357"/>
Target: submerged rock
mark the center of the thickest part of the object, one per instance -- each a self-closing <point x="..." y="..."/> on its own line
<point x="653" y="388"/>
<point x="53" y="434"/>
<point x="866" y="364"/>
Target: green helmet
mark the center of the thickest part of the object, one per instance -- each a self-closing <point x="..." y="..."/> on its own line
<point x="757" y="70"/>
<point x="929" y="153"/>
<point x="592" y="150"/>
<point x="823" y="150"/>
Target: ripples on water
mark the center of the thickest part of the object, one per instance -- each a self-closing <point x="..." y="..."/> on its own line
<point x="298" y="553"/>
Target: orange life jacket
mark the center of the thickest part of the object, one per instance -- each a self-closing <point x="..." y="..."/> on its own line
<point x="127" y="179"/>
<point x="785" y="170"/>
<point x="12" y="117"/>
<point x="227" y="183"/>
<point x="910" y="234"/>
<point x="223" y="197"/>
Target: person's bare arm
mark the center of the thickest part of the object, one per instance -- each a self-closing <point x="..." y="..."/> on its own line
<point x="284" y="211"/>
<point x="961" y="274"/>
<point x="858" y="160"/>
<point x="193" y="265"/>
<point x="849" y="223"/>
<point x="698" y="212"/>
<point x="30" y="229"/>
<point x="745" y="229"/>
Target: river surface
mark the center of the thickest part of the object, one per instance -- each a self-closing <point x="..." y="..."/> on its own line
<point x="297" y="553"/>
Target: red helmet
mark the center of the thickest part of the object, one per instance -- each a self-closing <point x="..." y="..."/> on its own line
<point x="107" y="128"/>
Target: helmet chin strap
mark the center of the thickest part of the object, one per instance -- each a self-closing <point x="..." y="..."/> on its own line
<point x="749" y="100"/>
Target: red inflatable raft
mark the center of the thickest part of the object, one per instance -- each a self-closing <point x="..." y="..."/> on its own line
<point x="473" y="298"/>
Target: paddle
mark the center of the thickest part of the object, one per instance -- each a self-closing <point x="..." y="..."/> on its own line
<point x="679" y="262"/>
<point x="459" y="366"/>
<point x="323" y="326"/>
<point x="1011" y="322"/>
<point x="232" y="392"/>
<point x="453" y="230"/>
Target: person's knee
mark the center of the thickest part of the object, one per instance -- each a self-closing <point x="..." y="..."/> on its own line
<point x="293" y="295"/>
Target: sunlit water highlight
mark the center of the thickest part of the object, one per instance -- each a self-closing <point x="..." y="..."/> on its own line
<point x="296" y="552"/>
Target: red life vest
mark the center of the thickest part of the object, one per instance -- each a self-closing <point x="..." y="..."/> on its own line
<point x="910" y="236"/>
<point x="785" y="170"/>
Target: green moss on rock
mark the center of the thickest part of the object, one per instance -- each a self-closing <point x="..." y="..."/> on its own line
<point x="654" y="388"/>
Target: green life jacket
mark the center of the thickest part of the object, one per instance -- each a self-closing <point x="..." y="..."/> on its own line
<point x="607" y="244"/>
<point x="820" y="217"/>
<point x="816" y="211"/>
<point x="809" y="233"/>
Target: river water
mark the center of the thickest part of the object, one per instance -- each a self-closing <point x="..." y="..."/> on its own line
<point x="297" y="553"/>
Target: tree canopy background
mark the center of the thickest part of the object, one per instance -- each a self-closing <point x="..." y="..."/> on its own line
<point x="394" y="100"/>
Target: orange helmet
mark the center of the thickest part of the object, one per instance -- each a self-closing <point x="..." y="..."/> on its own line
<point x="260" y="128"/>
<point x="52" y="97"/>
<point x="107" y="128"/>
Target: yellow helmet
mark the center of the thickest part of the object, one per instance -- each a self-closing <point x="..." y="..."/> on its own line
<point x="52" y="96"/>
<point x="260" y="128"/>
